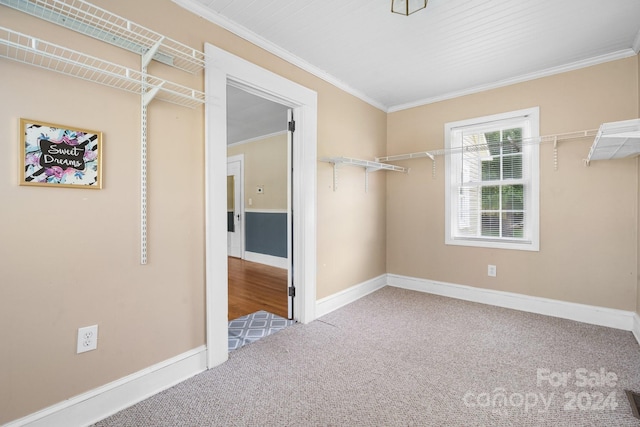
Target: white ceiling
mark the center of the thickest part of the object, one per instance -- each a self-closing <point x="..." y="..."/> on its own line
<point x="451" y="48"/>
<point x="250" y="117"/>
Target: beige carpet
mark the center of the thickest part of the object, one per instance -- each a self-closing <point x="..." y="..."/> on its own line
<point x="403" y="358"/>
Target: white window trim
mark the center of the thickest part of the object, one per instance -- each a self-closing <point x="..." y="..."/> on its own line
<point x="533" y="200"/>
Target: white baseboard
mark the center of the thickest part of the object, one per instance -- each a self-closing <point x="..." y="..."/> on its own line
<point x="273" y="261"/>
<point x="636" y="327"/>
<point x="602" y="316"/>
<point x="97" y="404"/>
<point x="333" y="302"/>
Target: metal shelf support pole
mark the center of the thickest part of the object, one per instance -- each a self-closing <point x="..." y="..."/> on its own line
<point x="144" y="101"/>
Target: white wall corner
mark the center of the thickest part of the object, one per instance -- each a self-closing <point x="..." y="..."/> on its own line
<point x="97" y="404"/>
<point x="333" y="302"/>
<point x="636" y="43"/>
<point x="602" y="316"/>
<point x="636" y="327"/>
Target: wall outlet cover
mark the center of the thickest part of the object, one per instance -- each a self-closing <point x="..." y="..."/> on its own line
<point x="491" y="270"/>
<point x="87" y="339"/>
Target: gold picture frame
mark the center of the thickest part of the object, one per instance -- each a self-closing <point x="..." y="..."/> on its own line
<point x="54" y="155"/>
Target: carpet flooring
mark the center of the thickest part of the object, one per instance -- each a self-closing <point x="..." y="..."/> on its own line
<point x="404" y="358"/>
<point x="252" y="327"/>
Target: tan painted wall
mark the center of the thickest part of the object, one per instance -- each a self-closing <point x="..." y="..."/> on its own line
<point x="350" y="219"/>
<point x="588" y="214"/>
<point x="265" y="164"/>
<point x="70" y="258"/>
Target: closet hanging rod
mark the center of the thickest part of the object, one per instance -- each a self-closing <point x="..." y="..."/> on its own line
<point x="85" y="18"/>
<point x="32" y="51"/>
<point x="482" y="147"/>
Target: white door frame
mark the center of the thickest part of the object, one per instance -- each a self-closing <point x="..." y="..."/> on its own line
<point x="239" y="215"/>
<point x="224" y="68"/>
<point x="290" y="141"/>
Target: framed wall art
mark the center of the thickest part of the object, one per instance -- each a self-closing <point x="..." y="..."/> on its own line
<point x="59" y="156"/>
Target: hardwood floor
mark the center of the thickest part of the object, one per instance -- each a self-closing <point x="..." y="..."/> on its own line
<point x="254" y="287"/>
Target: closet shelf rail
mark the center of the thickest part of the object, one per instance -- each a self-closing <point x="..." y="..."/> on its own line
<point x="555" y="139"/>
<point x="32" y="51"/>
<point x="482" y="147"/>
<point x="103" y="25"/>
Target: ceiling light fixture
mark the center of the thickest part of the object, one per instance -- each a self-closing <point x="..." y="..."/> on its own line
<point x="407" y="7"/>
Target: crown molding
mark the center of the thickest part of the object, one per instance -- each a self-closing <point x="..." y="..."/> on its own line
<point x="621" y="54"/>
<point x="257" y="138"/>
<point x="199" y="9"/>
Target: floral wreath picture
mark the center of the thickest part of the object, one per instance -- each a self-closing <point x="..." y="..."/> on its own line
<point x="55" y="155"/>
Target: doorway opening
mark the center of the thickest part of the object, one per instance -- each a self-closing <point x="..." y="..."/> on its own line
<point x="259" y="235"/>
<point x="223" y="68"/>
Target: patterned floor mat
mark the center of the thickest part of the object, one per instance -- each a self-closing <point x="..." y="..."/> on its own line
<point x="252" y="327"/>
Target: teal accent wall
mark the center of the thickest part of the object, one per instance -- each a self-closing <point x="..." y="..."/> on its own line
<point x="266" y="233"/>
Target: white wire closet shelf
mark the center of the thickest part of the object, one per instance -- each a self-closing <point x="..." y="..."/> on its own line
<point x="103" y="25"/>
<point x="30" y="50"/>
<point x="369" y="166"/>
<point x="616" y="140"/>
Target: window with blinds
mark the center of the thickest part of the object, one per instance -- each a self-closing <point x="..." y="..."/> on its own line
<point x="492" y="181"/>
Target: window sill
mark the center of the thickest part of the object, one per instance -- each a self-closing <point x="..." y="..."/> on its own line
<point x="489" y="244"/>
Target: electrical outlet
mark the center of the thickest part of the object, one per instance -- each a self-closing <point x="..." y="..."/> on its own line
<point x="491" y="270"/>
<point x="87" y="338"/>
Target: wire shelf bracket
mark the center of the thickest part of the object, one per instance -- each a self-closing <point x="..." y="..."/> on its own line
<point x="368" y="165"/>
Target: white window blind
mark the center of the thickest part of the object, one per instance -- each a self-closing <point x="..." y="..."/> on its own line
<point x="492" y="181"/>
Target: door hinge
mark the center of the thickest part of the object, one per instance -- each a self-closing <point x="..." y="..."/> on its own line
<point x="292" y="126"/>
<point x="292" y="291"/>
